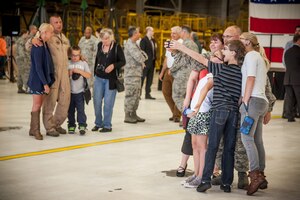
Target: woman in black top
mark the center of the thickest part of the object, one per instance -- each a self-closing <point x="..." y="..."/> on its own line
<point x="109" y="60"/>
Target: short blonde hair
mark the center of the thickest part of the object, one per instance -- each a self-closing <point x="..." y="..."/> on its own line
<point x="46" y="27"/>
<point x="109" y="32"/>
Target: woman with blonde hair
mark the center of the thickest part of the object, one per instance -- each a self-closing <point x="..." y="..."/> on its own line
<point x="41" y="77"/>
<point x="109" y="60"/>
<point x="254" y="104"/>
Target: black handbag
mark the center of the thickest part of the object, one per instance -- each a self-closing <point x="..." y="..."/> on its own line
<point x="120" y="80"/>
<point x="120" y="85"/>
<point x="87" y="92"/>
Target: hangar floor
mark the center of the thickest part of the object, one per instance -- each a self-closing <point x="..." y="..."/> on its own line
<point x="134" y="161"/>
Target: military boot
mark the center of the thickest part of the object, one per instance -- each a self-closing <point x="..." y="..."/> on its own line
<point x="35" y="126"/>
<point x="138" y="119"/>
<point x="129" y="118"/>
<point x="243" y="181"/>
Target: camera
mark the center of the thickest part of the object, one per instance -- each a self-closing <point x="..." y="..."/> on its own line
<point x="167" y="44"/>
<point x="75" y="76"/>
<point x="100" y="68"/>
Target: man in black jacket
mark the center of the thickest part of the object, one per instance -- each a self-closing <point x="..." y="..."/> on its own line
<point x="148" y="45"/>
<point x="291" y="78"/>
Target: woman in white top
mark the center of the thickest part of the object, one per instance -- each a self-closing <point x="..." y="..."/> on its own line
<point x="255" y="104"/>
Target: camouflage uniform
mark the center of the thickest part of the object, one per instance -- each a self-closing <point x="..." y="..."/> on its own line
<point x="180" y="70"/>
<point x="23" y="62"/>
<point x="133" y="71"/>
<point x="88" y="50"/>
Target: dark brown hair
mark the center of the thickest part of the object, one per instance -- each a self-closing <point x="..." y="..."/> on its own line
<point x="238" y="47"/>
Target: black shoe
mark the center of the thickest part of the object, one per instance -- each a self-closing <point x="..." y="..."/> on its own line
<point x="181" y="171"/>
<point x="149" y="97"/>
<point x="203" y="186"/>
<point x="21" y="91"/>
<point x="96" y="128"/>
<point x="225" y="188"/>
<point x="105" y="130"/>
<point x="291" y="120"/>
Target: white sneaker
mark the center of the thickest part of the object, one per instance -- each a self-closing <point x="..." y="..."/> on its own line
<point x="189" y="179"/>
<point x="194" y="183"/>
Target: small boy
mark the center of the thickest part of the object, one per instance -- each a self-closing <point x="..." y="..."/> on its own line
<point x="78" y="70"/>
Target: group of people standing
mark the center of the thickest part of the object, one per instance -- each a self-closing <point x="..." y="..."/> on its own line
<point x="94" y="63"/>
<point x="229" y="84"/>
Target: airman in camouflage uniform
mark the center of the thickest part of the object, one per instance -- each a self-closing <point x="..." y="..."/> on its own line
<point x="88" y="45"/>
<point x="23" y="62"/>
<point x="133" y="70"/>
<point x="181" y="68"/>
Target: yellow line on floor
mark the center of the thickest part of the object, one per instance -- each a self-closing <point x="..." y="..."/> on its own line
<point x="68" y="148"/>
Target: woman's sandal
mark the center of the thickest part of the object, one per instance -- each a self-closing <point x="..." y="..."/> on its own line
<point x="181" y="171"/>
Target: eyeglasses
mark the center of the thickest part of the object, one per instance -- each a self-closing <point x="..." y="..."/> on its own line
<point x="75" y="55"/>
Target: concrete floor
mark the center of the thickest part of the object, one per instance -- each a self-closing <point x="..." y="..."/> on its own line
<point x="132" y="162"/>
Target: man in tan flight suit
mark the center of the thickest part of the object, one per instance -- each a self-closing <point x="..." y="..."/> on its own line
<point x="56" y="104"/>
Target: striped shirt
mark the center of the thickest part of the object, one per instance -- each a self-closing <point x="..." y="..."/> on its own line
<point x="227" y="84"/>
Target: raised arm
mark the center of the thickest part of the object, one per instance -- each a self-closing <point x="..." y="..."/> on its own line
<point x="193" y="54"/>
<point x="191" y="84"/>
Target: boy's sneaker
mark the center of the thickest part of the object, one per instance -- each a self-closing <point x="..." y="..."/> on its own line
<point x="194" y="183"/>
<point x="203" y="186"/>
<point x="82" y="130"/>
<point x="71" y="130"/>
<point x="189" y="179"/>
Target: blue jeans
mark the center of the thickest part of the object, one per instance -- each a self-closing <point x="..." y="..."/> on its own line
<point x="77" y="102"/>
<point x="224" y="121"/>
<point x="102" y="91"/>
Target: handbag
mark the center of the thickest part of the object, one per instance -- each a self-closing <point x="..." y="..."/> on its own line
<point x="120" y="80"/>
<point x="247" y="123"/>
<point x="87" y="92"/>
<point x="120" y="85"/>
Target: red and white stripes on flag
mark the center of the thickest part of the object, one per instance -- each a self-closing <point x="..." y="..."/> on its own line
<point x="274" y="22"/>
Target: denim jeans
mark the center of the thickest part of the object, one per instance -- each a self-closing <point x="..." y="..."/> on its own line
<point x="77" y="102"/>
<point x="253" y="142"/>
<point x="223" y="122"/>
<point x="102" y="92"/>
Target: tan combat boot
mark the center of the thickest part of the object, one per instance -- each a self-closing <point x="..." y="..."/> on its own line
<point x="135" y="116"/>
<point x="129" y="118"/>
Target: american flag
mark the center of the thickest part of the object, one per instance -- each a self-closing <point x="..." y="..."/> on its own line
<point x="274" y="22"/>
